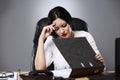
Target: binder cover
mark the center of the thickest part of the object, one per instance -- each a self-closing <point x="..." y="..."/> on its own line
<point x="79" y="55"/>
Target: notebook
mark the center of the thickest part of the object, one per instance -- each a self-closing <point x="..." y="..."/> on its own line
<point x="79" y="55"/>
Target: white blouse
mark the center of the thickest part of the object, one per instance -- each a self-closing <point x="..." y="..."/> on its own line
<point x="52" y="54"/>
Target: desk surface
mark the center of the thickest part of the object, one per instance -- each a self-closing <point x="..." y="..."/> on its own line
<point x="82" y="78"/>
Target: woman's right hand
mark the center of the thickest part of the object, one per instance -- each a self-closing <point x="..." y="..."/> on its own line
<point x="47" y="30"/>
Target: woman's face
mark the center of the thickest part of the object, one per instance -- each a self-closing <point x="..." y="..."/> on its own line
<point x="62" y="28"/>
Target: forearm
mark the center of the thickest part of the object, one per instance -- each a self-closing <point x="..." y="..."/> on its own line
<point x="40" y="62"/>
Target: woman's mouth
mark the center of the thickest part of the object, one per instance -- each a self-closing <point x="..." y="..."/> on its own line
<point x="64" y="35"/>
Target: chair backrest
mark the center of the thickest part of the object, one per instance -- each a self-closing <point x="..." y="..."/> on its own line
<point x="76" y="23"/>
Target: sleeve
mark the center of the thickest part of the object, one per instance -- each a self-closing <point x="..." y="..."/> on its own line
<point x="48" y="47"/>
<point x="92" y="43"/>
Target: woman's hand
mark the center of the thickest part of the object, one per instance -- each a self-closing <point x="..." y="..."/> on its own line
<point x="47" y="30"/>
<point x="40" y="61"/>
<point x="99" y="58"/>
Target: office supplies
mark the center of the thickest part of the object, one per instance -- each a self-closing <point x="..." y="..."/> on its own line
<point x="8" y="75"/>
<point x="79" y="55"/>
<point x="38" y="75"/>
<point x="3" y="78"/>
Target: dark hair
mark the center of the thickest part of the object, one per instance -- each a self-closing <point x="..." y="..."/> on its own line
<point x="58" y="12"/>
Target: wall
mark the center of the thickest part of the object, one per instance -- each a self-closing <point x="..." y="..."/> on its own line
<point x="18" y="19"/>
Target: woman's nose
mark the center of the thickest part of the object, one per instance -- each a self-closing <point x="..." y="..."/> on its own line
<point x="62" y="30"/>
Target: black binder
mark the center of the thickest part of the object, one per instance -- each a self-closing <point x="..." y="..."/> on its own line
<point x="79" y="55"/>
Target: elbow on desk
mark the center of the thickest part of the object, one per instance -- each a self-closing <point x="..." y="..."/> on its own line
<point x="40" y="67"/>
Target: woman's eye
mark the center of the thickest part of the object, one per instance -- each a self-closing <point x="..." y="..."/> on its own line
<point x="64" y="25"/>
<point x="56" y="28"/>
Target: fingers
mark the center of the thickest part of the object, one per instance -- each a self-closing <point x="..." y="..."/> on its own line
<point x="52" y="27"/>
<point x="99" y="57"/>
<point x="48" y="28"/>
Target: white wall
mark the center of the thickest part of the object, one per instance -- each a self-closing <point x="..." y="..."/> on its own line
<point x="18" y="19"/>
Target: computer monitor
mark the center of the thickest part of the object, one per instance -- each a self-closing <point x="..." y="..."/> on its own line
<point x="117" y="57"/>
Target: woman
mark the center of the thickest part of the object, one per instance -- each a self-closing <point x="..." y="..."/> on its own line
<point x="59" y="25"/>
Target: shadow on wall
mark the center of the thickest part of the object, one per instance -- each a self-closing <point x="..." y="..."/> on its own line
<point x="4" y="6"/>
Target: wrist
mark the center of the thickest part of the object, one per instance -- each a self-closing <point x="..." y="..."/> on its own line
<point x="41" y="38"/>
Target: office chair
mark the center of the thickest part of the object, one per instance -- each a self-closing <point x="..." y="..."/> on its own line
<point x="76" y="23"/>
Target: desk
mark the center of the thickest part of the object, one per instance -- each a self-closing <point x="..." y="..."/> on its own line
<point x="25" y="72"/>
<point x="86" y="78"/>
<point x="21" y="72"/>
<point x="82" y="78"/>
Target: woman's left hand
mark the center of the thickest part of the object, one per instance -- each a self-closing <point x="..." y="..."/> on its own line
<point x="99" y="58"/>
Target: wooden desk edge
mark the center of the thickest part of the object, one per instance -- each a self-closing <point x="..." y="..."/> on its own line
<point x="82" y="78"/>
<point x="21" y="72"/>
